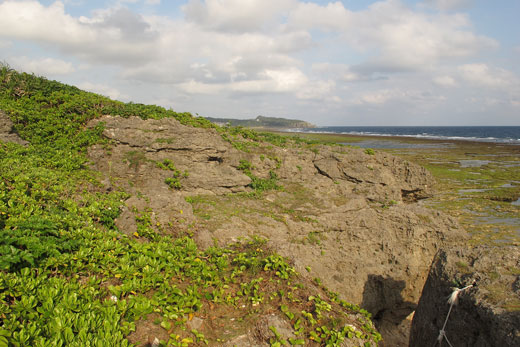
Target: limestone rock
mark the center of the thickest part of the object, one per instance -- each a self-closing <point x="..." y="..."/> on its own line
<point x="353" y="218"/>
<point x="487" y="314"/>
<point x="7" y="133"/>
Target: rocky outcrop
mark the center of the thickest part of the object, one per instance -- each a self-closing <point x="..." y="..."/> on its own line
<point x="487" y="314"/>
<point x="350" y="217"/>
<point x="208" y="160"/>
<point x="7" y="133"/>
<point x="207" y="165"/>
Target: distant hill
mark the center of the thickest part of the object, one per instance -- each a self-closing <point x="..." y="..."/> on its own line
<point x="263" y="122"/>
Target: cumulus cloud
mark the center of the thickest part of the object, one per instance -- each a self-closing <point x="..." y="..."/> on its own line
<point x="45" y="66"/>
<point x="323" y="90"/>
<point x="397" y="38"/>
<point x="448" y="5"/>
<point x="236" y="15"/>
<point x="379" y="97"/>
<point x="111" y="36"/>
<point x="229" y="41"/>
<point x="269" y="81"/>
<point x="345" y="73"/>
<point x="444" y="81"/>
<point x="331" y="17"/>
<point x="5" y="44"/>
<point x="483" y="75"/>
<point x="146" y="2"/>
<point x="103" y="89"/>
<point x="383" y="97"/>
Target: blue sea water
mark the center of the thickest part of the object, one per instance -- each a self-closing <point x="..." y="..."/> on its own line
<point x="497" y="134"/>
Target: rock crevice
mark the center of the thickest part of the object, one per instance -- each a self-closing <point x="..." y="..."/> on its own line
<point x="486" y="314"/>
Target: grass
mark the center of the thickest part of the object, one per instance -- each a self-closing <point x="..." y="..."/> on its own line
<point x="258" y="184"/>
<point x="173" y="182"/>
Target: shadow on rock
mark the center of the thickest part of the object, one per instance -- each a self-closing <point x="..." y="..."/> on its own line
<point x="382" y="298"/>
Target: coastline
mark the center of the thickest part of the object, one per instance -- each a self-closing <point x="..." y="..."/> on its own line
<point x="477" y="182"/>
<point x="342" y="138"/>
<point x="490" y="134"/>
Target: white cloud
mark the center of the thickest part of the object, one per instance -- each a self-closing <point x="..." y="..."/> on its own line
<point x="236" y="15"/>
<point x="227" y="41"/>
<point x="319" y="90"/>
<point x="31" y="20"/>
<point x="397" y="38"/>
<point x="444" y="81"/>
<point x="188" y="52"/>
<point x="111" y="36"/>
<point x="5" y="44"/>
<point x="422" y="99"/>
<point x="285" y="81"/>
<point x="448" y="5"/>
<point x="45" y="66"/>
<point x="379" y="97"/>
<point x="344" y="73"/>
<point x="269" y="81"/>
<point x="103" y="89"/>
<point x="331" y="17"/>
<point x="483" y="75"/>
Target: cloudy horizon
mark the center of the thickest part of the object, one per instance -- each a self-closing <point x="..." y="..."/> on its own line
<point x="392" y="62"/>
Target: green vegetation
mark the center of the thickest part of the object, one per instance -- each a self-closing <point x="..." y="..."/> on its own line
<point x="370" y="151"/>
<point x="246" y="139"/>
<point x="68" y="276"/>
<point x="476" y="183"/>
<point x="259" y="185"/>
<point x="175" y="181"/>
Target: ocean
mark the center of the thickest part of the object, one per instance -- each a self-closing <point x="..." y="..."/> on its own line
<point x="497" y="134"/>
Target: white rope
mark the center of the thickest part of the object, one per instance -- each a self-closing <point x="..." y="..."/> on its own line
<point x="453" y="300"/>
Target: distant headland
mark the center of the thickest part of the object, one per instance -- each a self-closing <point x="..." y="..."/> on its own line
<point x="263" y="122"/>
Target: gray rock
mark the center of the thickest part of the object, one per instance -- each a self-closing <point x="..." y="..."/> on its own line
<point x="487" y="314"/>
<point x="353" y="218"/>
<point x="7" y="133"/>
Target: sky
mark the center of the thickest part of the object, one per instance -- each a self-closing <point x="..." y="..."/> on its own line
<point x="351" y="62"/>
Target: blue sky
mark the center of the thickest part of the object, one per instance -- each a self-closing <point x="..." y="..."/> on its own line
<point x="391" y="62"/>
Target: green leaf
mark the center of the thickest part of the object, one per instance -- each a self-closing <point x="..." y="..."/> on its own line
<point x="166" y="325"/>
<point x="296" y="341"/>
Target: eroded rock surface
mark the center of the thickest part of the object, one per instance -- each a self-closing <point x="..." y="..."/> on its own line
<point x="487" y="314"/>
<point x="351" y="218"/>
<point x="131" y="163"/>
<point x="7" y="133"/>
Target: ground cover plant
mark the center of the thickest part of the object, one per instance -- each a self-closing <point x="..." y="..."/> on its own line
<point x="69" y="277"/>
